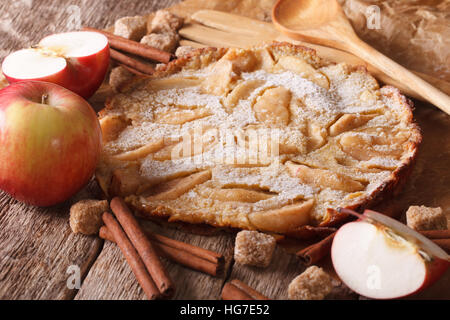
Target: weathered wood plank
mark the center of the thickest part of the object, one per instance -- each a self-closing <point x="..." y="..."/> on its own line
<point x="37" y="244"/>
<point x="38" y="247"/>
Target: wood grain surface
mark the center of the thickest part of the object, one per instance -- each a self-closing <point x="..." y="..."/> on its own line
<point x="37" y="245"/>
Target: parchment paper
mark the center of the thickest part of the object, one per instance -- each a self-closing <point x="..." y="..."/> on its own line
<point x="415" y="33"/>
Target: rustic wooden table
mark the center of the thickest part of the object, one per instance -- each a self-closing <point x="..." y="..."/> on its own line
<point x="40" y="256"/>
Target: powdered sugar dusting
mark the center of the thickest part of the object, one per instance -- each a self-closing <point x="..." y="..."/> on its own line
<point x="223" y="133"/>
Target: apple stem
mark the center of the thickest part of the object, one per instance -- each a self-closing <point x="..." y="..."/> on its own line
<point x="44" y="98"/>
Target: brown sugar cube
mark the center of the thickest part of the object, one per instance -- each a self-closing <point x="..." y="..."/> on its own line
<point x="165" y="21"/>
<point x="133" y="28"/>
<point x="254" y="248"/>
<point x="162" y="41"/>
<point x="426" y="218"/>
<point x="312" y="284"/>
<point x="86" y="216"/>
<point x="119" y="76"/>
<point x="183" y="50"/>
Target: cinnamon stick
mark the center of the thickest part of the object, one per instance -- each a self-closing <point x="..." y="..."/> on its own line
<point x="196" y="251"/>
<point x="136" y="72"/>
<point x="439" y="237"/>
<point x="191" y="249"/>
<point x="130" y="62"/>
<point x="130" y="46"/>
<point x="310" y="255"/>
<point x="182" y="257"/>
<point x="237" y="290"/>
<point x="134" y="260"/>
<point x="143" y="246"/>
<point x="436" y="234"/>
<point x="443" y="243"/>
<point x="248" y="290"/>
<point x="231" y="292"/>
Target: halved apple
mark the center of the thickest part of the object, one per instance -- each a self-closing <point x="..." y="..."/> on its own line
<point x="77" y="61"/>
<point x="381" y="258"/>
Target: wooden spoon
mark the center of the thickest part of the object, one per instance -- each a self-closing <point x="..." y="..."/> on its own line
<point x="324" y="22"/>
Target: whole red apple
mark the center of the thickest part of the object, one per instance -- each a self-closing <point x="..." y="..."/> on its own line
<point x="77" y="61"/>
<point x="50" y="142"/>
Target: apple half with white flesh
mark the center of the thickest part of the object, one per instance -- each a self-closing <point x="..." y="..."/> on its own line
<point x="381" y="258"/>
<point x="78" y="61"/>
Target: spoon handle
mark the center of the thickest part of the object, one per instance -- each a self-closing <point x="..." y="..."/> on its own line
<point x="399" y="73"/>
